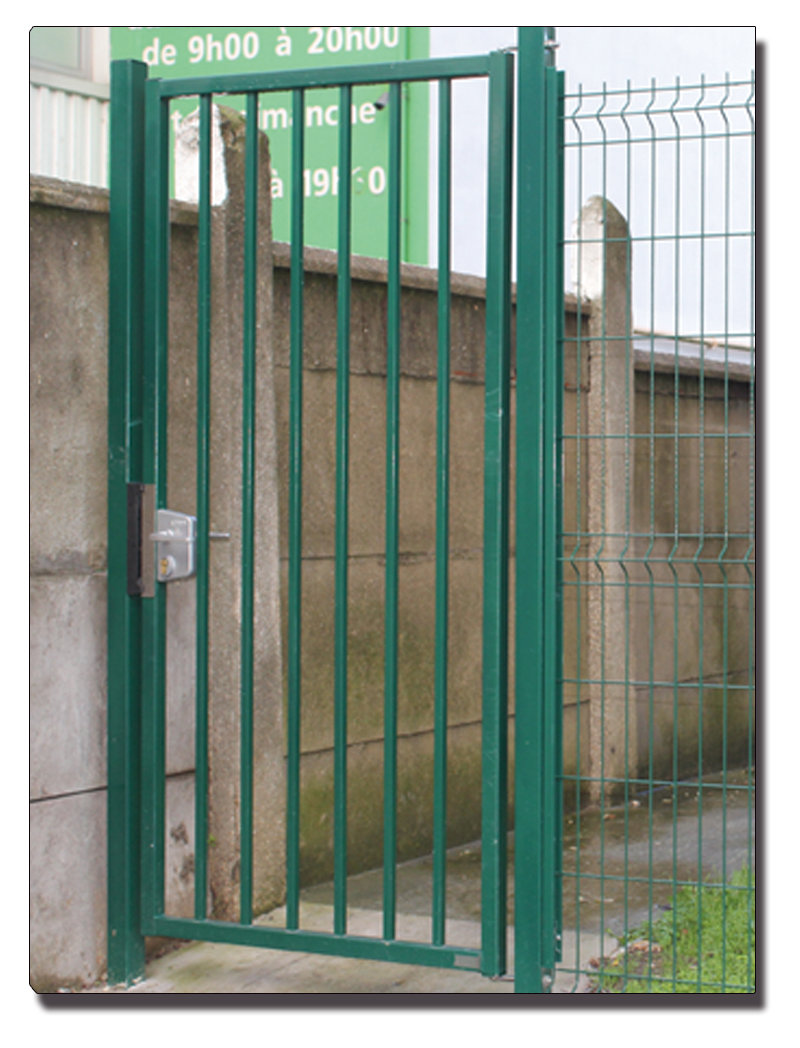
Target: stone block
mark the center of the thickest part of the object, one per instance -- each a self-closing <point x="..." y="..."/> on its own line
<point x="68" y="891"/>
<point x="67" y="684"/>
<point x="68" y="379"/>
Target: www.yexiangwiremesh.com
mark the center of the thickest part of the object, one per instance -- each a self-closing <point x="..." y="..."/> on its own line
<point x="665" y="1029"/>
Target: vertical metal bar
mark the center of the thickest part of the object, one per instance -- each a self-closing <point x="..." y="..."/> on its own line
<point x="722" y="556"/>
<point x="203" y="470"/>
<point x="626" y="538"/>
<point x="553" y="514"/>
<point x="248" y="504"/>
<point x="558" y="697"/>
<point x="603" y="535"/>
<point x="551" y="620"/>
<point x="495" y="536"/>
<point x="575" y="557"/>
<point x="677" y="536"/>
<point x="653" y="459"/>
<point x="392" y="518"/>
<point x="756" y="159"/>
<point x="126" y="224"/>
<point x="442" y="517"/>
<point x="295" y="517"/>
<point x="699" y="557"/>
<point x="154" y="471"/>
<point x="528" y="856"/>
<point x="341" y="539"/>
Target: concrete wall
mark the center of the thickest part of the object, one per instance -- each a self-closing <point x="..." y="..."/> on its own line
<point x="69" y="238"/>
<point x="366" y="577"/>
<point x="695" y="595"/>
<point x="68" y="471"/>
<point x="659" y="656"/>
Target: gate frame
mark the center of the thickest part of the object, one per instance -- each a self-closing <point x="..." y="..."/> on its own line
<point x="137" y="428"/>
<point x="540" y="318"/>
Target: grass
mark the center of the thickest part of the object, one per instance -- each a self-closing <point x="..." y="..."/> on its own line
<point x="705" y="944"/>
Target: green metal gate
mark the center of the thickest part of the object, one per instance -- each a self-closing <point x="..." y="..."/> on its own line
<point x="617" y="599"/>
<point x="149" y="544"/>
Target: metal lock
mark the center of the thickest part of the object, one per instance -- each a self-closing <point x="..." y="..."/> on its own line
<point x="176" y="540"/>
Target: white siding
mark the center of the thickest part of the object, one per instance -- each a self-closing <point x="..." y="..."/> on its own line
<point x="69" y="136"/>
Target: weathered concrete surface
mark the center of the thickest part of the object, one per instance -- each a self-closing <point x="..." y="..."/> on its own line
<point x="67" y="606"/>
<point x="180" y="852"/>
<point x="68" y="890"/>
<point x="604" y="279"/>
<point x="67" y="684"/>
<point x="68" y="377"/>
<point x="660" y="570"/>
<point x="225" y="567"/>
<point x="181" y="632"/>
<point x="68" y="881"/>
<point x="701" y="612"/>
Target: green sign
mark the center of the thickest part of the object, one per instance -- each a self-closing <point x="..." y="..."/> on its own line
<point x="181" y="51"/>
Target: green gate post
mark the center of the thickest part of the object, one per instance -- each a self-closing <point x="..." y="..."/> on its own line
<point x="552" y="526"/>
<point x="126" y="227"/>
<point x="496" y="517"/>
<point x="537" y="643"/>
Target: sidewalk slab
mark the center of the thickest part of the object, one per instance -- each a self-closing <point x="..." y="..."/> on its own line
<point x="221" y="968"/>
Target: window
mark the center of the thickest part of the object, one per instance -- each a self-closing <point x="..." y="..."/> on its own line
<point x="63" y="49"/>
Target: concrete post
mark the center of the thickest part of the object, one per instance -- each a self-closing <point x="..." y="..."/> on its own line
<point x="225" y="500"/>
<point x="602" y="273"/>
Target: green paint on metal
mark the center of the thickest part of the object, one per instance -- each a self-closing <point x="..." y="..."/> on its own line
<point x="203" y="478"/>
<point x="125" y="941"/>
<point x="551" y="624"/>
<point x="155" y="431"/>
<point x="342" y="521"/>
<point x="154" y="471"/>
<point x="315" y="942"/>
<point x="392" y="517"/>
<point x="295" y="520"/>
<point x="442" y="513"/>
<point x="248" y="505"/>
<point x="496" y="517"/>
<point x="530" y="872"/>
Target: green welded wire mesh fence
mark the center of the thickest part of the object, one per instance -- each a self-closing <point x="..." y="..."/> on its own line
<point x="658" y="538"/>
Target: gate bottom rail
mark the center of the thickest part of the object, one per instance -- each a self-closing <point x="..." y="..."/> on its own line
<point x="353" y="946"/>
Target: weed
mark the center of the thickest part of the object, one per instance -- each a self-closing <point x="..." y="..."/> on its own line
<point x="704" y="944"/>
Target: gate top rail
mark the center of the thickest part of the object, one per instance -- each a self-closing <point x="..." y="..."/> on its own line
<point x="330" y="76"/>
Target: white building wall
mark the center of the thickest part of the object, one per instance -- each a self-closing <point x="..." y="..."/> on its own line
<point x="70" y="116"/>
<point x="69" y="136"/>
